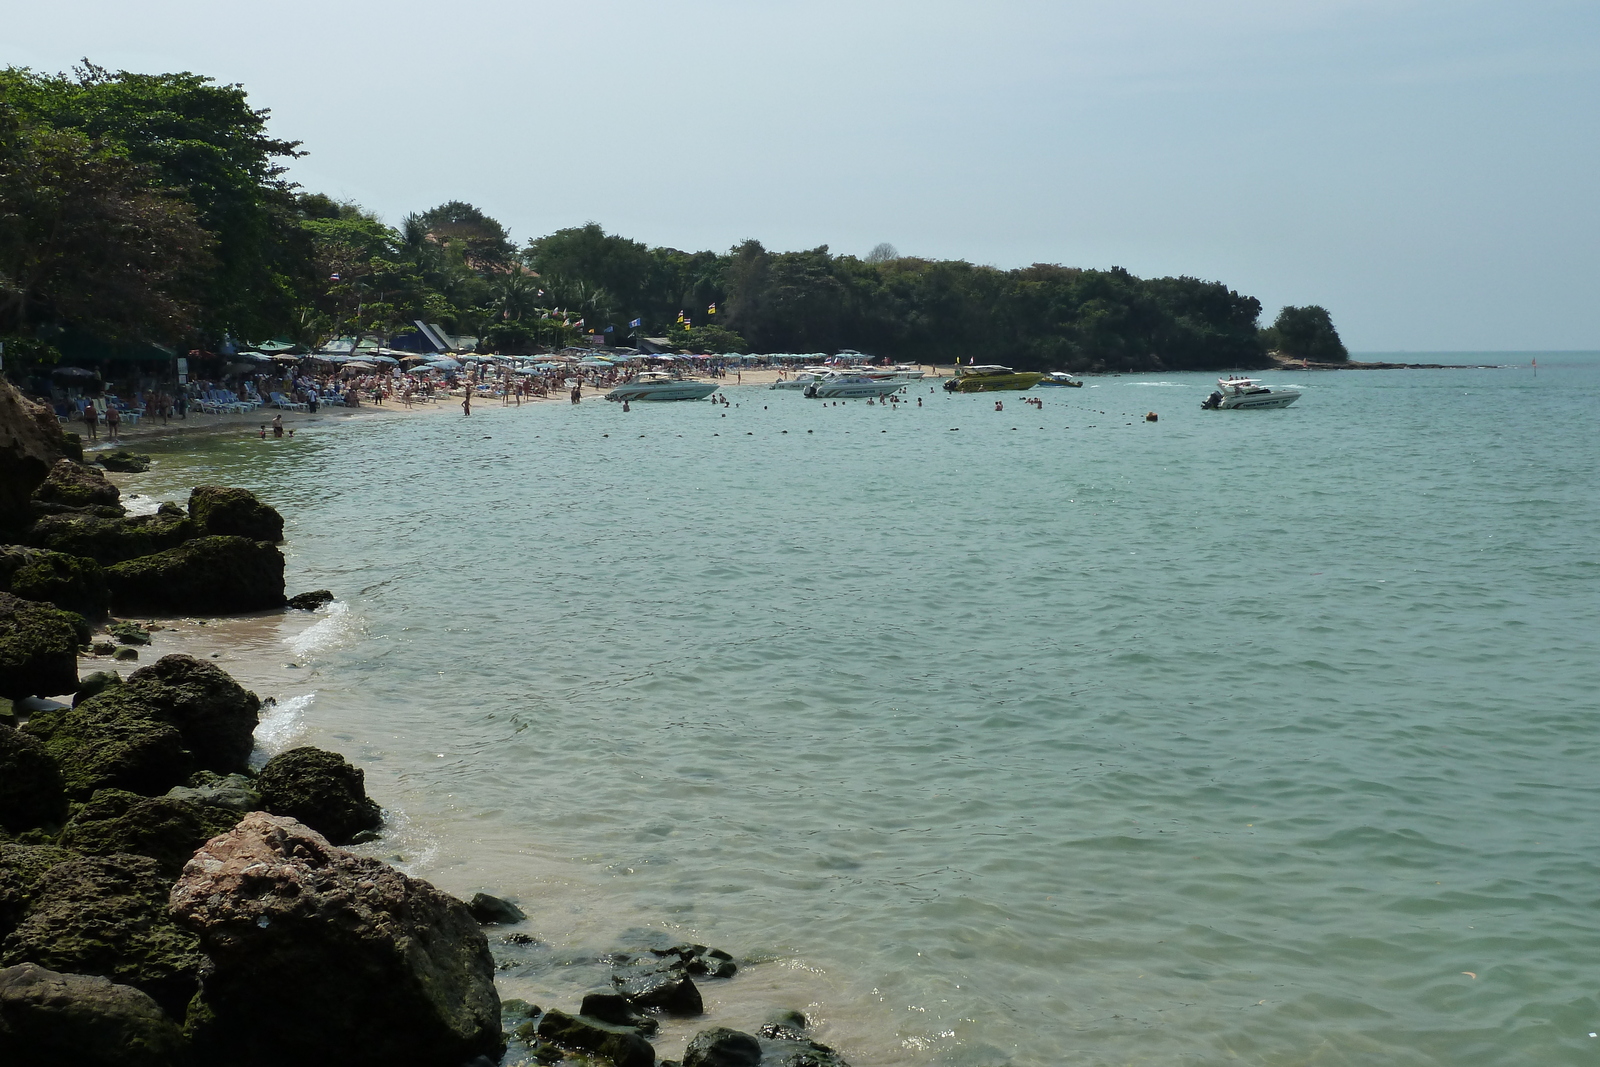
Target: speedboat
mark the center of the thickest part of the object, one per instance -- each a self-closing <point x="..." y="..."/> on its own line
<point x="990" y="378"/>
<point x="659" y="385"/>
<point x="1236" y="392"/>
<point x="850" y="386"/>
<point x="1060" y="377"/>
<point x="804" y="377"/>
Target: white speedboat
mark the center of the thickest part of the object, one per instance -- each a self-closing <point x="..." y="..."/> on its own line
<point x="803" y="378"/>
<point x="1236" y="392"/>
<point x="851" y="386"/>
<point x="902" y="372"/>
<point x="659" y="385"/>
<point x="1061" y="378"/>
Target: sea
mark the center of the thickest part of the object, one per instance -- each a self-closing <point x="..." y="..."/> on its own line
<point x="984" y="734"/>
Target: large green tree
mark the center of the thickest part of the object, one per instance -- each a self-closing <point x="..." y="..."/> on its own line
<point x="1307" y="333"/>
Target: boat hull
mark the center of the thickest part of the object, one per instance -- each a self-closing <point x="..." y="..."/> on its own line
<point x="1255" y="401"/>
<point x="826" y="390"/>
<point x="994" y="383"/>
<point x="672" y="391"/>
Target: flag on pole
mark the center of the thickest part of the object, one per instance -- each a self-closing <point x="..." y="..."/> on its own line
<point x="608" y="329"/>
<point x="636" y="323"/>
<point x="680" y="316"/>
<point x="579" y="324"/>
<point x="712" y="310"/>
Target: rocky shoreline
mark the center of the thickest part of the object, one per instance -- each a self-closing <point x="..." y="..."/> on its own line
<point x="161" y="903"/>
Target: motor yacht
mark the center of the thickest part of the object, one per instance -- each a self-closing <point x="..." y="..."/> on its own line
<point x="990" y="378"/>
<point x="660" y="385"/>
<point x="1061" y="378"/>
<point x="1236" y="392"/>
<point x="803" y="377"/>
<point x="851" y="386"/>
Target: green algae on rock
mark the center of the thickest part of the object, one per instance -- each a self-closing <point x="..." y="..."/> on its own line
<point x="218" y="509"/>
<point x="31" y="790"/>
<point x="38" y="648"/>
<point x="22" y="869"/>
<point x="71" y="583"/>
<point x="216" y="715"/>
<point x="112" y="539"/>
<point x="167" y="829"/>
<point x="321" y="789"/>
<point x="210" y="575"/>
<point x="109" y="743"/>
<point x="74" y="485"/>
<point x="107" y="915"/>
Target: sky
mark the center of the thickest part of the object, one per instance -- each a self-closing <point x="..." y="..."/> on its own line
<point x="1425" y="170"/>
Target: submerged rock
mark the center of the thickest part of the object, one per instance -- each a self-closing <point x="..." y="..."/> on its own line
<point x="650" y="983"/>
<point x="38" y="648"/>
<point x="490" y="911"/>
<point x="31" y="790"/>
<point x="216" y="509"/>
<point x="113" y="539"/>
<point x="311" y="601"/>
<point x="209" y="575"/>
<point x="107" y="915"/>
<point x="371" y="967"/>
<point x="722" y="1047"/>
<point x="71" y="583"/>
<point x="123" y="462"/>
<point x="129" y="633"/>
<point x="22" y="869"/>
<point x="168" y="829"/>
<point x="74" y="485"/>
<point x="614" y="1008"/>
<point x="47" y="1017"/>
<point x="622" y="1045"/>
<point x="320" y="789"/>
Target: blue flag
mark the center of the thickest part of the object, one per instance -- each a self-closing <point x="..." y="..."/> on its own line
<point x="607" y="329"/>
<point x="636" y="323"/>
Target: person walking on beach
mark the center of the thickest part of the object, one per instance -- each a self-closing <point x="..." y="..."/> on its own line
<point x="113" y="422"/>
<point x="91" y="420"/>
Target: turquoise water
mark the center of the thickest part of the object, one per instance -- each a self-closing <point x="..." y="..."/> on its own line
<point x="1021" y="737"/>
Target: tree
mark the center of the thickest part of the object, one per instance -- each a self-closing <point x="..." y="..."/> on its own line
<point x="1307" y="333"/>
<point x="883" y="252"/>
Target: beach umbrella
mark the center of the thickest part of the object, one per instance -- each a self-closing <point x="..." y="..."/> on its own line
<point x="74" y="374"/>
<point x="357" y="364"/>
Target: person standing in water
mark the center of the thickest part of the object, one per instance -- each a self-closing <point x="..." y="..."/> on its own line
<point x="277" y="425"/>
<point x="91" y="420"/>
<point x="113" y="422"/>
<point x="466" y="401"/>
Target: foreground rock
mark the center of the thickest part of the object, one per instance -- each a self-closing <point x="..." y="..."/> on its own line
<point x="31" y="791"/>
<point x="209" y="575"/>
<point x="363" y="964"/>
<point x="74" y="485"/>
<point x="722" y="1047"/>
<point x="112" y="539"/>
<point x="232" y="791"/>
<point x="320" y="789"/>
<point x="235" y="512"/>
<point x="31" y="443"/>
<point x="311" y="601"/>
<point x="71" y="583"/>
<point x="167" y="829"/>
<point x="107" y="915"/>
<point x="38" y="648"/>
<point x="47" y="1017"/>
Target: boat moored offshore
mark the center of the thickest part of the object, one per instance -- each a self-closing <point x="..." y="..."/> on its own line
<point x="1061" y="378"/>
<point x="851" y="386"/>
<point x="1237" y="392"/>
<point x="990" y="378"/>
<point x="659" y="385"/>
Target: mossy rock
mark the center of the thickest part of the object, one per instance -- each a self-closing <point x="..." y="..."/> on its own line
<point x="112" y="540"/>
<point x="215" y="714"/>
<point x="71" y="583"/>
<point x="47" y="1017"/>
<point x="107" y="915"/>
<point x="38" y="648"/>
<point x="129" y="633"/>
<point x="217" y="509"/>
<point x="166" y="828"/>
<point x="22" y="871"/>
<point x="32" y="792"/>
<point x="209" y="575"/>
<point x="320" y="789"/>
<point x="75" y="485"/>
<point x="108" y="742"/>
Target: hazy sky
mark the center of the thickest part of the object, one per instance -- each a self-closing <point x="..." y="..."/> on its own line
<point x="1426" y="170"/>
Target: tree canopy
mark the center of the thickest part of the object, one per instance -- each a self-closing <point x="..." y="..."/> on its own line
<point x="156" y="208"/>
